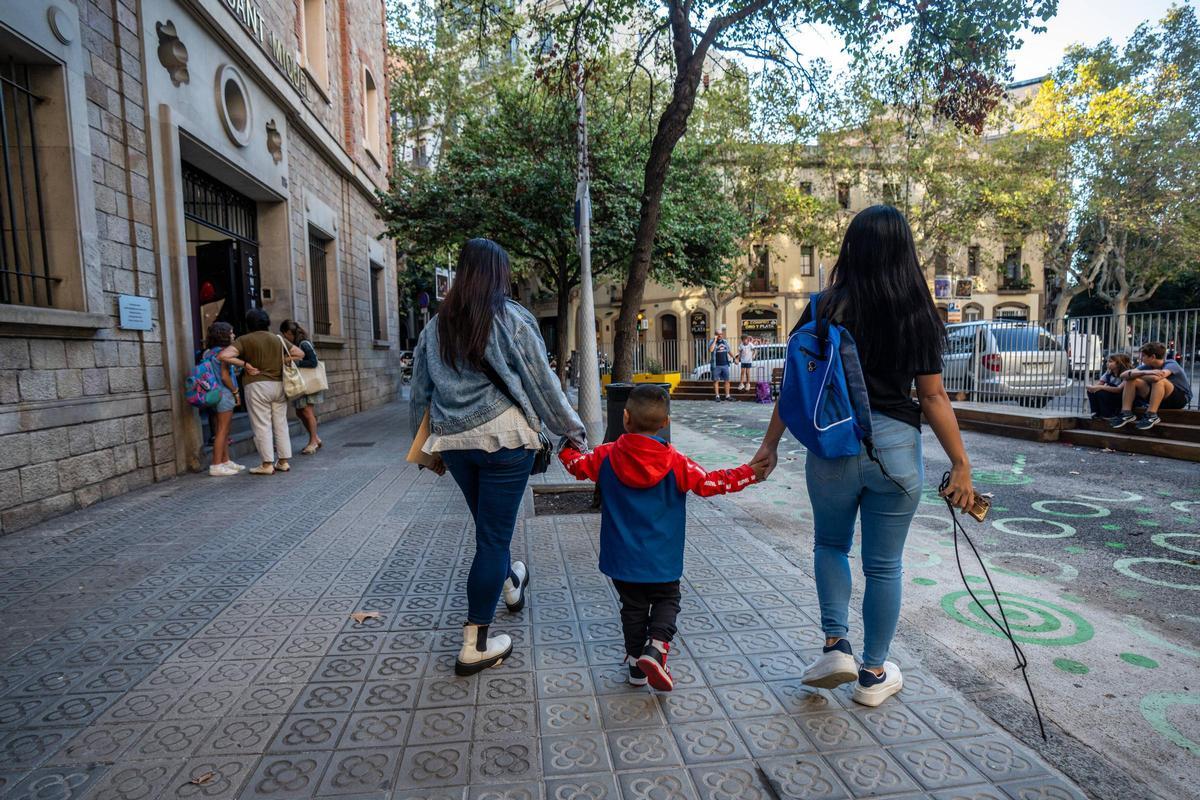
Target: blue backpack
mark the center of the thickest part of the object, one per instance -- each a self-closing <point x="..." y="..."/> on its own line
<point x="823" y="400"/>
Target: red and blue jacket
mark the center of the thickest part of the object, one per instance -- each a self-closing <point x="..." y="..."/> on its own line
<point x="643" y="485"/>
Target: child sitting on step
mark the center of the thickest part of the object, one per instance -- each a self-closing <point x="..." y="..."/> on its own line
<point x="644" y="482"/>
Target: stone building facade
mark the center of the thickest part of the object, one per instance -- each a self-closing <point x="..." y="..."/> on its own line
<point x="168" y="163"/>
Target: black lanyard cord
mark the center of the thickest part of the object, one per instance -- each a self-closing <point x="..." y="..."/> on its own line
<point x="1002" y="624"/>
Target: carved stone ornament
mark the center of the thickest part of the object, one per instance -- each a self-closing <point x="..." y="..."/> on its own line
<point x="172" y="53"/>
<point x="274" y="141"/>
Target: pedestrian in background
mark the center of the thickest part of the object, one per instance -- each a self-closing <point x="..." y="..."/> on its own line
<point x="879" y="294"/>
<point x="481" y="374"/>
<point x="719" y="349"/>
<point x="220" y="336"/>
<point x="306" y="405"/>
<point x="746" y="362"/>
<point x="260" y="354"/>
<point x="1104" y="396"/>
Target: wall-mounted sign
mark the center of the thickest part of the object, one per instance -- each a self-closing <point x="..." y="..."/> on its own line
<point x="135" y="313"/>
<point x="752" y="325"/>
<point x="443" y="279"/>
<point x="699" y="323"/>
<point x="286" y="60"/>
<point x="954" y="313"/>
<point x="941" y="287"/>
<point x="963" y="287"/>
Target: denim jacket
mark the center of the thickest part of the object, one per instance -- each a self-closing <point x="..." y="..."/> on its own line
<point x="459" y="401"/>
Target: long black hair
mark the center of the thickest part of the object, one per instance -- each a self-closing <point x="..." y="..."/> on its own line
<point x="476" y="298"/>
<point x="879" y="292"/>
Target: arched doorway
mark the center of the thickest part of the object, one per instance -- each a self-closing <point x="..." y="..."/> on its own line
<point x="1017" y="312"/>
<point x="668" y="345"/>
<point x="972" y="312"/>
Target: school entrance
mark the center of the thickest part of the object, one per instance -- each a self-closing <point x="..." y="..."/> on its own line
<point x="222" y="253"/>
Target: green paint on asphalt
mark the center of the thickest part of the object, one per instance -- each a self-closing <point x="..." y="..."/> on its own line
<point x="1139" y="661"/>
<point x="924" y="582"/>
<point x="1154" y="709"/>
<point x="1071" y="666"/>
<point x="1032" y="620"/>
<point x="1074" y="548"/>
<point x="1128" y="594"/>
<point x="1147" y="523"/>
<point x="999" y="509"/>
<point x="1164" y="492"/>
<point x="1109" y="526"/>
<point x="1115" y="545"/>
<point x="946" y="542"/>
<point x="975" y="579"/>
<point x="1072" y="598"/>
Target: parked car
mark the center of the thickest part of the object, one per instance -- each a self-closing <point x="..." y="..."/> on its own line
<point x="1085" y="351"/>
<point x="767" y="357"/>
<point x="1003" y="360"/>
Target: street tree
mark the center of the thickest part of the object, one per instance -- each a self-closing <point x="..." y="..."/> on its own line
<point x="961" y="46"/>
<point x="509" y="175"/>
<point x="1123" y="123"/>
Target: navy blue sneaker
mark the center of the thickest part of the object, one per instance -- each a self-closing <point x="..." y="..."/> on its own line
<point x="1147" y="422"/>
<point x="1122" y="419"/>
<point x="836" y="665"/>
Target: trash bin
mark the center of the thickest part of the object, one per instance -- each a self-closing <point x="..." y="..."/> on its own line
<point x="618" y="394"/>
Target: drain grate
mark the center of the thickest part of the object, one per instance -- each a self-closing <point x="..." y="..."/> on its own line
<point x="359" y="444"/>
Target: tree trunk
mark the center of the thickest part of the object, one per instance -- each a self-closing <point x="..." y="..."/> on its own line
<point x="561" y="322"/>
<point x="671" y="127"/>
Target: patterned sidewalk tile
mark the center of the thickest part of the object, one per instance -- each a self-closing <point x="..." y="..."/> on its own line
<point x="226" y="663"/>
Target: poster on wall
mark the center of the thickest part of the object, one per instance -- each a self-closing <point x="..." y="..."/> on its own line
<point x="941" y="287"/>
<point x="963" y="287"/>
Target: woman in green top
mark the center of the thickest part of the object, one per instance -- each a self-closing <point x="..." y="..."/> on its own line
<point x="306" y="406"/>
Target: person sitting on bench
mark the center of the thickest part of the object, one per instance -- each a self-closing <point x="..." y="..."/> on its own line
<point x="1160" y="382"/>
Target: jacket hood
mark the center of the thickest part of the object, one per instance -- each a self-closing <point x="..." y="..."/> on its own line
<point x="640" y="461"/>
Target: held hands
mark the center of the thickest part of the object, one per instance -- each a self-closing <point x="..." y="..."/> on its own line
<point x="760" y="470"/>
<point x="764" y="461"/>
<point x="960" y="491"/>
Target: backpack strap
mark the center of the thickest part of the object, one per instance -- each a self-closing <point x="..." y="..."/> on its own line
<point x="821" y="320"/>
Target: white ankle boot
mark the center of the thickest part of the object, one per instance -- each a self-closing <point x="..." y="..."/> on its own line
<point x="514" y="593"/>
<point x="480" y="651"/>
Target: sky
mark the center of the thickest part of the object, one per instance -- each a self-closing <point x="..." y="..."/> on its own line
<point x="1078" y="21"/>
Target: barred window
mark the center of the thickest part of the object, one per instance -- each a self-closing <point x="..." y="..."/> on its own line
<point x="25" y="273"/>
<point x="318" y="277"/>
<point x="806" y="260"/>
<point x="378" y="302"/>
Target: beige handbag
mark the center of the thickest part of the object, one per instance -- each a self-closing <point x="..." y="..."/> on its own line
<point x="415" y="454"/>
<point x="293" y="381"/>
<point x="314" y="377"/>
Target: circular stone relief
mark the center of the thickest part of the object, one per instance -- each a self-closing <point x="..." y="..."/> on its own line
<point x="233" y="104"/>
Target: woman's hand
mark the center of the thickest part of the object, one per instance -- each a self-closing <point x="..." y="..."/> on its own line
<point x="438" y="466"/>
<point x="251" y="369"/>
<point x="960" y="491"/>
<point x="766" y="458"/>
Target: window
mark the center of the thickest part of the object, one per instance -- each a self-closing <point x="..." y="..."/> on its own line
<point x="318" y="276"/>
<point x="973" y="260"/>
<point x="891" y="193"/>
<point x="316" y="55"/>
<point x="806" y="187"/>
<point x="762" y="261"/>
<point x="370" y="113"/>
<point x="972" y="313"/>
<point x="420" y="154"/>
<point x="806" y="260"/>
<point x="378" y="302"/>
<point x="25" y="275"/>
<point x="843" y="195"/>
<point x="1012" y="267"/>
<point x="940" y="261"/>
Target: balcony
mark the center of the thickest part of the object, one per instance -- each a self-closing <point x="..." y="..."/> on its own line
<point x="1014" y="287"/>
<point x="757" y="285"/>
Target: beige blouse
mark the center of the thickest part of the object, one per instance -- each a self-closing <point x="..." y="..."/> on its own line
<point x="509" y="430"/>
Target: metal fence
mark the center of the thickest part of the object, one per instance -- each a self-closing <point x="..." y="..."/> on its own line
<point x="1045" y="365"/>
<point x="1050" y="364"/>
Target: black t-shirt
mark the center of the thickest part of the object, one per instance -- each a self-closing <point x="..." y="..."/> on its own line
<point x="721" y="352"/>
<point x="889" y="389"/>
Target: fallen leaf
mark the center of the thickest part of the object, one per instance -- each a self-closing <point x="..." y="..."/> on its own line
<point x="202" y="780"/>
<point x="360" y="617"/>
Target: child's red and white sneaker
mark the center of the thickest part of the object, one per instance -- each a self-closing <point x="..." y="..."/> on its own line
<point x="653" y="664"/>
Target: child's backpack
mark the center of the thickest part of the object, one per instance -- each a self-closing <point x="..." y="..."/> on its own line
<point x="823" y="400"/>
<point x="202" y="388"/>
<point x="762" y="392"/>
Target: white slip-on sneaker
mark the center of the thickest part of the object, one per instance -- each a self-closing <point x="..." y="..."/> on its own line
<point x="872" y="689"/>
<point x="221" y="471"/>
<point x="514" y="591"/>
<point x="836" y="665"/>
<point x="235" y="465"/>
<point x="480" y="651"/>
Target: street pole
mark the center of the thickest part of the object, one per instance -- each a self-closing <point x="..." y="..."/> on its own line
<point x="589" y="371"/>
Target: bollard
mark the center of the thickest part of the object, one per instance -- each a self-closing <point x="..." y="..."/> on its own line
<point x="618" y="393"/>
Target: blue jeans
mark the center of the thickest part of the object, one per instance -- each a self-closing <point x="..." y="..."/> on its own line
<point x="842" y="489"/>
<point x="493" y="485"/>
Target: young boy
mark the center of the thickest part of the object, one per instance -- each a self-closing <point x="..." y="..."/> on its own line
<point x="1157" y="381"/>
<point x="643" y="484"/>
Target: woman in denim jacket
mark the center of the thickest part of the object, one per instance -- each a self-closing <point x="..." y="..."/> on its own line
<point x="485" y="441"/>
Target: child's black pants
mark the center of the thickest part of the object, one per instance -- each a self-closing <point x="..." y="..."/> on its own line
<point x="648" y="611"/>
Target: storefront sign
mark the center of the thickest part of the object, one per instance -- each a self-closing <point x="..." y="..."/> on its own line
<point x="288" y="62"/>
<point x="756" y="325"/>
<point x="699" y="323"/>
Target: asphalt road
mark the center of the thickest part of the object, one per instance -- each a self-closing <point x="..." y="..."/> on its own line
<point x="1097" y="557"/>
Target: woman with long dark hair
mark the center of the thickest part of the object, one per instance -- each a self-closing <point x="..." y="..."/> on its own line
<point x="305" y="405"/>
<point x="480" y="371"/>
<point x="878" y="292"/>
